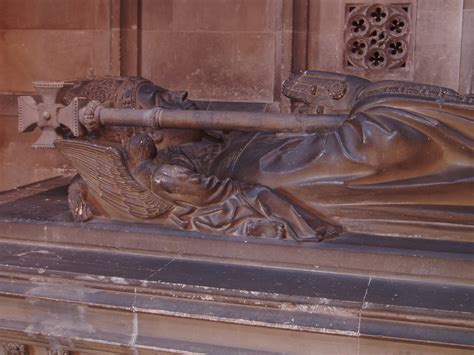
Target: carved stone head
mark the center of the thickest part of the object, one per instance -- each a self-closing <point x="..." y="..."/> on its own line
<point x="318" y="92"/>
<point x="126" y="92"/>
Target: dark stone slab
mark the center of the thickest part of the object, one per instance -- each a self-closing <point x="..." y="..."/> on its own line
<point x="268" y="280"/>
<point x="311" y="287"/>
<point x="92" y="263"/>
<point x="128" y="269"/>
<point x="423" y="295"/>
<point x="43" y="206"/>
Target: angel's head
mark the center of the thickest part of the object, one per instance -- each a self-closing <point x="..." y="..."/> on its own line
<point x="141" y="147"/>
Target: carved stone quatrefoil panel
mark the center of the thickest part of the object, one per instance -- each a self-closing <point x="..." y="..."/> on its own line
<point x="14" y="349"/>
<point x="377" y="36"/>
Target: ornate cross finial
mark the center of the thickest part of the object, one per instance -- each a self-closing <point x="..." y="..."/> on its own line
<point x="49" y="115"/>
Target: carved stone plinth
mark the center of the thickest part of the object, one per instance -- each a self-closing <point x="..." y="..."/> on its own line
<point x="115" y="287"/>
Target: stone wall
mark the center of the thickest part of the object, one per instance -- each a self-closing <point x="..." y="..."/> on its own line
<point x="466" y="70"/>
<point x="222" y="50"/>
<point x="218" y="49"/>
<point x="46" y="40"/>
<point x="225" y="49"/>
<point x="439" y="44"/>
<point x="53" y="40"/>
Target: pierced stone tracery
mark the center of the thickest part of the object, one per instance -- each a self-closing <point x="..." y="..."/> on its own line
<point x="377" y="36"/>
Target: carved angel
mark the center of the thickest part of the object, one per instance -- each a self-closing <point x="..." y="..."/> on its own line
<point x="129" y="184"/>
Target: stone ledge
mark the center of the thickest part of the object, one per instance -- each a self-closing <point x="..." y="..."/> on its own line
<point x="43" y="217"/>
<point x="64" y="293"/>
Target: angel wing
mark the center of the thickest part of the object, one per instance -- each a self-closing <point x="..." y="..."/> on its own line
<point x="103" y="168"/>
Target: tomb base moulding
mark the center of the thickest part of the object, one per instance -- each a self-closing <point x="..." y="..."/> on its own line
<point x="116" y="287"/>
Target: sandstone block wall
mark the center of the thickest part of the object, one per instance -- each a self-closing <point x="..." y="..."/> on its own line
<point x="219" y="50"/>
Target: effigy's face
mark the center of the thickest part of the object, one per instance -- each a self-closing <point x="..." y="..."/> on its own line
<point x="315" y="92"/>
<point x="155" y="96"/>
<point x="174" y="100"/>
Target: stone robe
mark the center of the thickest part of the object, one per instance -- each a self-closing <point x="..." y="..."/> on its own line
<point x="401" y="164"/>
